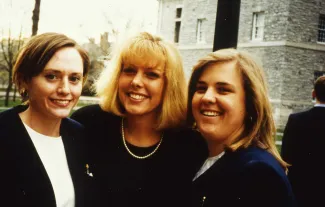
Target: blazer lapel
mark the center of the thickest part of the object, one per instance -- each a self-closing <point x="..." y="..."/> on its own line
<point x="32" y="177"/>
<point x="72" y="142"/>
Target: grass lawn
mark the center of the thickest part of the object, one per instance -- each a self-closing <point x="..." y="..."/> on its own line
<point x="18" y="101"/>
<point x="11" y="103"/>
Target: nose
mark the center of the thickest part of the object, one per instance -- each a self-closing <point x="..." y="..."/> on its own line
<point x="64" y="87"/>
<point x="209" y="96"/>
<point x="137" y="80"/>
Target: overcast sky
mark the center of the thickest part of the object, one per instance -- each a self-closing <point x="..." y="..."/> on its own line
<point x="79" y="19"/>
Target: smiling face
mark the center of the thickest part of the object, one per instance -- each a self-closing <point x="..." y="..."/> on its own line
<point x="141" y="87"/>
<point x="218" y="104"/>
<point x="56" y="90"/>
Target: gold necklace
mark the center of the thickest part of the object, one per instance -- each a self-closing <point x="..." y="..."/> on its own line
<point x="136" y="156"/>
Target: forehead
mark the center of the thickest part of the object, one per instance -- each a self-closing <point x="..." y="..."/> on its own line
<point x="146" y="57"/>
<point x="144" y="63"/>
<point x="66" y="59"/>
<point x="226" y="72"/>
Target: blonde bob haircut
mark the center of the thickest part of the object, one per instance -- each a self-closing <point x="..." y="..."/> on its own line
<point x="151" y="51"/>
<point x="259" y="128"/>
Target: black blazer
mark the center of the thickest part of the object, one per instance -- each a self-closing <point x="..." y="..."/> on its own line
<point x="303" y="146"/>
<point x="247" y="177"/>
<point x="23" y="178"/>
<point x="119" y="180"/>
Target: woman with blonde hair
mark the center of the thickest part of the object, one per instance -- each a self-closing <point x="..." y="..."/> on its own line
<point x="228" y="102"/>
<point x="139" y="155"/>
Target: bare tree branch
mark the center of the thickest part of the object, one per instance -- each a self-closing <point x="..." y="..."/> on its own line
<point x="10" y="48"/>
<point x="35" y="17"/>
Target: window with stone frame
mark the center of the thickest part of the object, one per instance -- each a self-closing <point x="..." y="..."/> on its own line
<point x="321" y="28"/>
<point x="177" y="29"/>
<point x="200" y="34"/>
<point x="179" y="12"/>
<point x="258" y="26"/>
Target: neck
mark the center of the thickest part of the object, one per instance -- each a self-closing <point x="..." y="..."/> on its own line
<point x="141" y="131"/>
<point x="319" y="102"/>
<point x="45" y="126"/>
<point x="215" y="148"/>
<point x="216" y="145"/>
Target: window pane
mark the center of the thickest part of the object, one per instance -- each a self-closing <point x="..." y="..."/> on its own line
<point x="321" y="28"/>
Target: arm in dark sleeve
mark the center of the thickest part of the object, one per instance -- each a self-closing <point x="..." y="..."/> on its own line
<point x="287" y="141"/>
<point x="80" y="116"/>
<point x="265" y="186"/>
<point x="83" y="116"/>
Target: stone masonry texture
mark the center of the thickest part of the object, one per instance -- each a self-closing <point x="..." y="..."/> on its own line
<point x="289" y="51"/>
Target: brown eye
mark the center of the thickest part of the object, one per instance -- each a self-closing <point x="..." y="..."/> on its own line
<point x="200" y="89"/>
<point x="223" y="90"/>
<point x="128" y="71"/>
<point x="74" y="79"/>
<point x="153" y="75"/>
<point x="51" y="76"/>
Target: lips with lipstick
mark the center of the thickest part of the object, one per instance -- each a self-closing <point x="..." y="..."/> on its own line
<point x="210" y="113"/>
<point x="61" y="102"/>
<point x="137" y="96"/>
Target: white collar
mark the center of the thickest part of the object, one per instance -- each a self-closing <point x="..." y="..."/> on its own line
<point x="319" y="105"/>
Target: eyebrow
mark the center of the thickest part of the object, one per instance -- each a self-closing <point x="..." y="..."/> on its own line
<point x="218" y="84"/>
<point x="59" y="71"/>
<point x="147" y="68"/>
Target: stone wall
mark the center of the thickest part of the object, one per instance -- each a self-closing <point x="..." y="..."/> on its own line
<point x="190" y="57"/>
<point x="303" y="20"/>
<point x="275" y="24"/>
<point x="167" y="11"/>
<point x="289" y="51"/>
<point x="194" y="10"/>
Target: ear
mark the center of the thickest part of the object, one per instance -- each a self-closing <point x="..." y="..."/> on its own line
<point x="24" y="85"/>
<point x="313" y="93"/>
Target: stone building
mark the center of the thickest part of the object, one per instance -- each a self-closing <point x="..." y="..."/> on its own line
<point x="288" y="36"/>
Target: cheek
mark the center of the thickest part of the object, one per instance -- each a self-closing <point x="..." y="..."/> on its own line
<point x="37" y="92"/>
<point x="195" y="106"/>
<point x="77" y="90"/>
<point x="195" y="102"/>
<point x="124" y="81"/>
<point x="159" y="87"/>
<point x="161" y="91"/>
<point x="240" y="105"/>
<point x="238" y="111"/>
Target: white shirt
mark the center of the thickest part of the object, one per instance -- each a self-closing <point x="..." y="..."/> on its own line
<point x="207" y="164"/>
<point x="52" y="153"/>
<point x="319" y="105"/>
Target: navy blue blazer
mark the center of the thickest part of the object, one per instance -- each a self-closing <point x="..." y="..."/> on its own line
<point x="247" y="177"/>
<point x="23" y="178"/>
<point x="303" y="147"/>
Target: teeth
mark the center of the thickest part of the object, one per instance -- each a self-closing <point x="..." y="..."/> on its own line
<point x="62" y="102"/>
<point x="210" y="113"/>
<point x="136" y="96"/>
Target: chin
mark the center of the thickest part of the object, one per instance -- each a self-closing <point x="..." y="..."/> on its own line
<point x="207" y="130"/>
<point x="135" y="111"/>
<point x="61" y="114"/>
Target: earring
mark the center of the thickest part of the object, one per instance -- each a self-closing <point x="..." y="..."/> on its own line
<point x="24" y="92"/>
<point x="194" y="127"/>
